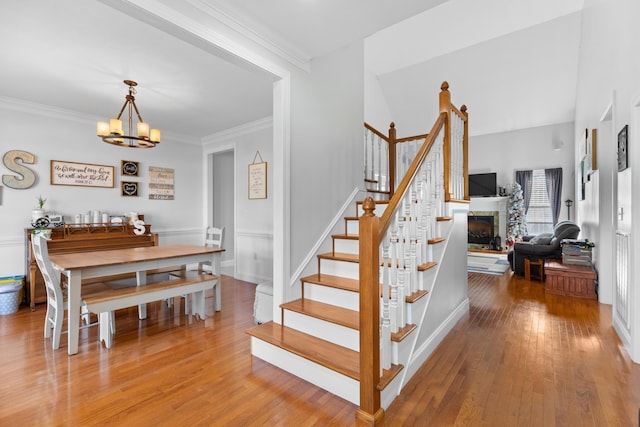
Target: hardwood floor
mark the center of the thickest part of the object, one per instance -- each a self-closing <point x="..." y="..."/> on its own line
<point x="518" y="358"/>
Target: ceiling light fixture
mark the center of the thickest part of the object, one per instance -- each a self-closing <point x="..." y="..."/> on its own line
<point x="112" y="133"/>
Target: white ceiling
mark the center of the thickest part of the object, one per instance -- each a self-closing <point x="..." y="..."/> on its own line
<point x="74" y="54"/>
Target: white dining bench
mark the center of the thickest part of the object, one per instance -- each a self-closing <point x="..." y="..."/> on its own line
<point x="110" y="300"/>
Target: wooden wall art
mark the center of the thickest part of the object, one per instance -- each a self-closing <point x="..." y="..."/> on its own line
<point x="257" y="179"/>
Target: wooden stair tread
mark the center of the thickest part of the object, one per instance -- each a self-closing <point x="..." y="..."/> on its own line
<point x="402" y="332"/>
<point x="388" y="375"/>
<point x="324" y="353"/>
<point x="444" y="218"/>
<point x="327" y="354"/>
<point x="346" y="236"/>
<point x="337" y="282"/>
<point x="415" y="296"/>
<point x="340" y="256"/>
<point x="436" y="240"/>
<point x="427" y="265"/>
<point x="330" y="313"/>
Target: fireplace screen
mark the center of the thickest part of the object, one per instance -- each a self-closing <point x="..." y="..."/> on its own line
<point x="480" y="229"/>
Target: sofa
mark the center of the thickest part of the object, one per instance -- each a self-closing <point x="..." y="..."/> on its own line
<point x="541" y="246"/>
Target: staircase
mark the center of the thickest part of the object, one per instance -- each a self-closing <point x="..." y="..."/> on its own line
<point x="317" y="338"/>
<point x="372" y="291"/>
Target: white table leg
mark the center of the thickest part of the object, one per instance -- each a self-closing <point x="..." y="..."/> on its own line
<point x="217" y="270"/>
<point x="197" y="304"/>
<point x="141" y="279"/>
<point x="74" y="298"/>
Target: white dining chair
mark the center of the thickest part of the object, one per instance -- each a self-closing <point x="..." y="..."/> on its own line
<point x="56" y="296"/>
<point x="214" y="238"/>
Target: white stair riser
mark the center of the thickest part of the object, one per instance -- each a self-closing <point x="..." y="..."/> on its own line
<point x="350" y="270"/>
<point x="400" y="351"/>
<point x="322" y="329"/>
<point x="346" y="246"/>
<point x="416" y="308"/>
<point x="353" y="226"/>
<point x="337" y="297"/>
<point x="338" y="384"/>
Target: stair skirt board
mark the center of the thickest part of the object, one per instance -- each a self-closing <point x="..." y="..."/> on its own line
<point x="337" y="334"/>
<point x="348" y="246"/>
<point x="338" y="297"/>
<point x="350" y="270"/>
<point x="327" y="379"/>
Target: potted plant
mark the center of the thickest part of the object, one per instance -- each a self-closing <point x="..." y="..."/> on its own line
<point x="38" y="212"/>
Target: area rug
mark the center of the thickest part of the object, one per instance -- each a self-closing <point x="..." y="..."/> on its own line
<point x="487" y="264"/>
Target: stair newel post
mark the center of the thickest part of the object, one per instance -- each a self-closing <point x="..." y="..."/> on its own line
<point x="445" y="107"/>
<point x="392" y="159"/>
<point x="465" y="152"/>
<point x="370" y="410"/>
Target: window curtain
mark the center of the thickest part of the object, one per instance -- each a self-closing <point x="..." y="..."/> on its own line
<point x="524" y="179"/>
<point x="553" y="178"/>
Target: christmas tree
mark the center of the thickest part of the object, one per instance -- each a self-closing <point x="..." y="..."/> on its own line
<point x="516" y="221"/>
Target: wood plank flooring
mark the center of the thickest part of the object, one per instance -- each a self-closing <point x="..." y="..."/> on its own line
<point x="519" y="358"/>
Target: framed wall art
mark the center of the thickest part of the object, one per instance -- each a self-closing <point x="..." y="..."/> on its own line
<point x="129" y="189"/>
<point x="623" y="148"/>
<point x="81" y="174"/>
<point x="130" y="168"/>
<point x="257" y="178"/>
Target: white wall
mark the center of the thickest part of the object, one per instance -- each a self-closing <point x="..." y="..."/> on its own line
<point x="507" y="152"/>
<point x="71" y="137"/>
<point x="326" y="143"/>
<point x="252" y="237"/>
<point x="609" y="76"/>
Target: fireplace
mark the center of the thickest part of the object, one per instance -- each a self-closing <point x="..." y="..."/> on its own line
<point x="480" y="229"/>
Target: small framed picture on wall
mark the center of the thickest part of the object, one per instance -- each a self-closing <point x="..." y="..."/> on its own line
<point x="129" y="189"/>
<point x="623" y="148"/>
<point x="130" y="168"/>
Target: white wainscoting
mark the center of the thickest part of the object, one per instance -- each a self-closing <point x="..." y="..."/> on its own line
<point x="254" y="256"/>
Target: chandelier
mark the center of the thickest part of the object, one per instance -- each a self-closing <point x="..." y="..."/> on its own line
<point x="112" y="133"/>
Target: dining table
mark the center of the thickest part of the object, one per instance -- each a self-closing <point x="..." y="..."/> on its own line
<point x="94" y="264"/>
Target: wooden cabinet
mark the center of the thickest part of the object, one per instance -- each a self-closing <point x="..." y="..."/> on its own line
<point x="80" y="238"/>
<point x="571" y="280"/>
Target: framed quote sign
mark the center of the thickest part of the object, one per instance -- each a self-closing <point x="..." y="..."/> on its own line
<point x="257" y="179"/>
<point x="81" y="174"/>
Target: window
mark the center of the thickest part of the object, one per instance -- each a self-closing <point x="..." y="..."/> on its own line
<point x="539" y="215"/>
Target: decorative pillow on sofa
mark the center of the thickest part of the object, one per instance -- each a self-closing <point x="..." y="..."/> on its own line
<point x="542" y="239"/>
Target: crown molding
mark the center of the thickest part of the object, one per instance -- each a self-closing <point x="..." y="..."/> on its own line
<point x="57" y="113"/>
<point x="235" y="132"/>
<point x="233" y="41"/>
<point x="272" y="43"/>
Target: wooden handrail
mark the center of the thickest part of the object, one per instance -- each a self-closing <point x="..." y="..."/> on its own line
<point x="372" y="231"/>
<point x="392" y="141"/>
<point x="385" y="219"/>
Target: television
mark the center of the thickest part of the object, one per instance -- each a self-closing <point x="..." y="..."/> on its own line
<point x="482" y="184"/>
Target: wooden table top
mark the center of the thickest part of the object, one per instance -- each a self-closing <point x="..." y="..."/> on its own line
<point x="125" y="256"/>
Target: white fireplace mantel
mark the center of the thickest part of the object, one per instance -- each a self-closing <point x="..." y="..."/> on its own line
<point x="492" y="204"/>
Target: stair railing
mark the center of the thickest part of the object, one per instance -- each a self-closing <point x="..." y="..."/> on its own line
<point x="394" y="247"/>
<point x="387" y="158"/>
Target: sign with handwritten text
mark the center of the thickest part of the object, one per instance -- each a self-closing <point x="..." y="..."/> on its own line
<point x="160" y="183"/>
<point x="82" y="174"/>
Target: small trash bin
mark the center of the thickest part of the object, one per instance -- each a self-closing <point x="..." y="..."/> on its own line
<point x="10" y="294"/>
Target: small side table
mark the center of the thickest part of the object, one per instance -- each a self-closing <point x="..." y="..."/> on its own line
<point x="539" y="263"/>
